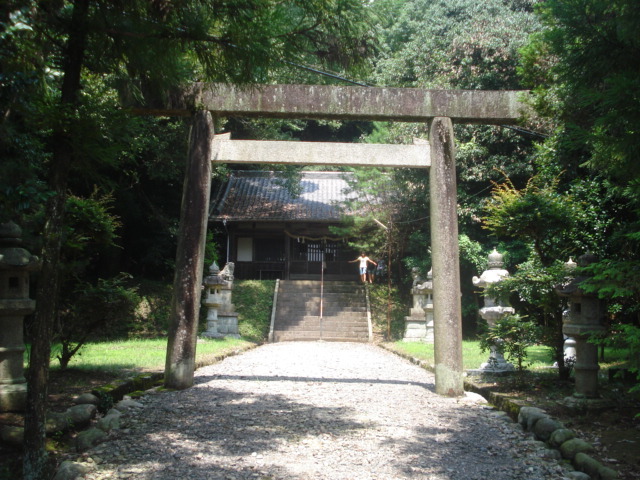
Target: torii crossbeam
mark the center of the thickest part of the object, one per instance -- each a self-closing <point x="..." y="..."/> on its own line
<point x="438" y="107"/>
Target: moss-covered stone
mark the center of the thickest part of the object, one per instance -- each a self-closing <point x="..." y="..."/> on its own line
<point x="606" y="473"/>
<point x="587" y="464"/>
<point x="545" y="427"/>
<point x="571" y="448"/>
<point x="560" y="436"/>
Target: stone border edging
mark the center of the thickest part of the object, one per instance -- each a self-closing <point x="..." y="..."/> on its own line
<point x="537" y="421"/>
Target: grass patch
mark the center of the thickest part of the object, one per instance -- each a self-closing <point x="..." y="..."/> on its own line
<point x="142" y="354"/>
<point x="253" y="300"/>
<point x="538" y="357"/>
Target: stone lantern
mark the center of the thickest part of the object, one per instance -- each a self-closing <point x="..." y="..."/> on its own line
<point x="569" y="346"/>
<point x="419" y="324"/>
<point x="493" y="310"/>
<point x="16" y="263"/>
<point x="585" y="317"/>
<point x="222" y="321"/>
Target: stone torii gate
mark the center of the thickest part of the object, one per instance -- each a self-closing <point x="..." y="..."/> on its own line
<point x="440" y="108"/>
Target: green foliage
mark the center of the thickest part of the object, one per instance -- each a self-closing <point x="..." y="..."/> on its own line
<point x="152" y="313"/>
<point x="582" y="67"/>
<point x="463" y="43"/>
<point x="105" y="402"/>
<point x="388" y="309"/>
<point x="536" y="213"/>
<point x="211" y="249"/>
<point x="531" y="291"/>
<point x="513" y="336"/>
<point x="379" y="208"/>
<point x="471" y="252"/>
<point x="625" y="338"/>
<point x="91" y="229"/>
<point x="254" y="301"/>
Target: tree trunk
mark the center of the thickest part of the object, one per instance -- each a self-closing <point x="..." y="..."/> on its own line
<point x="187" y="283"/>
<point x="35" y="458"/>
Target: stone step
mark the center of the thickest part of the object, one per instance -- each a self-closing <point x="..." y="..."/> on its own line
<point x="307" y="327"/>
<point x="316" y="335"/>
<point x="343" y="307"/>
<point x="317" y="293"/>
<point x="309" y="316"/>
<point x="327" y="310"/>
<point x="325" y="318"/>
<point x="347" y="288"/>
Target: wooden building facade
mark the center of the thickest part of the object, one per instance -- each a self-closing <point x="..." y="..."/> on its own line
<point x="272" y="234"/>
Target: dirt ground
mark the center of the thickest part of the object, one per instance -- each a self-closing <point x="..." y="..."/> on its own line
<point x="614" y="432"/>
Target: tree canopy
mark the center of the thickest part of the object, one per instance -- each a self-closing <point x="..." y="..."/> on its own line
<point x="68" y="68"/>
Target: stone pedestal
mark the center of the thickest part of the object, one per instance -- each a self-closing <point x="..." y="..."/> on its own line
<point x="493" y="311"/>
<point x="228" y="325"/>
<point x="419" y="323"/>
<point x="15" y="265"/>
<point x="222" y="321"/>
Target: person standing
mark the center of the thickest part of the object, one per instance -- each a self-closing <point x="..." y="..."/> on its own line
<point x="364" y="261"/>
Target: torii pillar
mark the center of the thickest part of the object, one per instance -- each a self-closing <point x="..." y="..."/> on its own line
<point x="447" y="310"/>
<point x="187" y="281"/>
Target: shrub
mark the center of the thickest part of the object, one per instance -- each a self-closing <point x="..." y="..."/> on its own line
<point x="511" y="335"/>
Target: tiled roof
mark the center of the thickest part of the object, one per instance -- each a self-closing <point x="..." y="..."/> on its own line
<point x="258" y="196"/>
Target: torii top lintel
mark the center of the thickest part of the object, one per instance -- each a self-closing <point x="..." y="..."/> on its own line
<point x="348" y="103"/>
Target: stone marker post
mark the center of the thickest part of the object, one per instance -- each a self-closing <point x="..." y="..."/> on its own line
<point x="15" y="265"/>
<point x="446" y="264"/>
<point x="185" y="304"/>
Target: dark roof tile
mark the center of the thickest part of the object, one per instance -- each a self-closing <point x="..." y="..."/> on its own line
<point x="258" y="196"/>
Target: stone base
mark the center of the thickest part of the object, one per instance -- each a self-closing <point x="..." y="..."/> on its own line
<point x="476" y="372"/>
<point x="418" y="329"/>
<point x="580" y="404"/>
<point x="13" y="397"/>
<point x="222" y="325"/>
<point x="493" y="367"/>
<point x="211" y="335"/>
<point x="228" y="324"/>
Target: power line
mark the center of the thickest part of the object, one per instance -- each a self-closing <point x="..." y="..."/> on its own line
<point x="525" y="131"/>
<point x="326" y="74"/>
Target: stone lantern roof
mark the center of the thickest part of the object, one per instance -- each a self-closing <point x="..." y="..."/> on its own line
<point x="495" y="259"/>
<point x="12" y="255"/>
<point x="572" y="287"/>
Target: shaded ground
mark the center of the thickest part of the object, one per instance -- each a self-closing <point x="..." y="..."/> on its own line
<point x="63" y="387"/>
<point x="615" y="432"/>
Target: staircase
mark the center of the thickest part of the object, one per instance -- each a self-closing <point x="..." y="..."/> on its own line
<point x="297" y="312"/>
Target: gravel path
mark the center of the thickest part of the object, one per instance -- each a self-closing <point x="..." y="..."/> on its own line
<point x="319" y="411"/>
